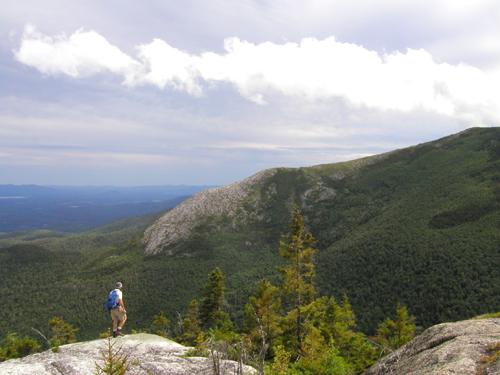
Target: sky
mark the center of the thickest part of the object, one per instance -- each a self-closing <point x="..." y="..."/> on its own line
<point x="122" y="92"/>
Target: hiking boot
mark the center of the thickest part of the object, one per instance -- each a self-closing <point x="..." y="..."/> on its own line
<point x="115" y="333"/>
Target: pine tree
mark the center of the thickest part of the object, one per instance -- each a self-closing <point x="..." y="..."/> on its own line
<point x="191" y="325"/>
<point x="61" y="332"/>
<point x="297" y="286"/>
<point x="340" y="323"/>
<point x="262" y="320"/>
<point x="113" y="360"/>
<point x="212" y="310"/>
<point x="395" y="333"/>
<point x="281" y="362"/>
<point x="13" y="346"/>
<point x="160" y="325"/>
<point x="330" y="337"/>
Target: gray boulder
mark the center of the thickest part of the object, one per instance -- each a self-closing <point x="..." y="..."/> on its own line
<point x="148" y="354"/>
<point x="448" y="348"/>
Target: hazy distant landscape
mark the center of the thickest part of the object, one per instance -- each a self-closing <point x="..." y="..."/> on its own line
<point x="277" y="187"/>
<point x="387" y="226"/>
<point x="78" y="208"/>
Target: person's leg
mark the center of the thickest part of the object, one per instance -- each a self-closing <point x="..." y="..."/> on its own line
<point x="123" y="319"/>
<point x="115" y="320"/>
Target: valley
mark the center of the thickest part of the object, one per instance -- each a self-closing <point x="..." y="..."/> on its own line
<point x="419" y="226"/>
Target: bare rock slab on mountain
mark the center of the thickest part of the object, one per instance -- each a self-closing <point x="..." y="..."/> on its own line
<point x="178" y="223"/>
<point x="148" y="354"/>
<point x="445" y="349"/>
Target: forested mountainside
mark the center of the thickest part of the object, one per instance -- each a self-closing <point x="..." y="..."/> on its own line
<point x="420" y="226"/>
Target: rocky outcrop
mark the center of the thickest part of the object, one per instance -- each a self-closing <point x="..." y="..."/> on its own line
<point x="238" y="203"/>
<point x="449" y="348"/>
<point x="178" y="223"/>
<point x="148" y="355"/>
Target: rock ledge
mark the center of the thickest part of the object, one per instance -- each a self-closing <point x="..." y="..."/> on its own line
<point x="148" y="354"/>
<point x="448" y="348"/>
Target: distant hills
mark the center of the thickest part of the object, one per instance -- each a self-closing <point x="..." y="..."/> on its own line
<point x="420" y="226"/>
<point x="75" y="209"/>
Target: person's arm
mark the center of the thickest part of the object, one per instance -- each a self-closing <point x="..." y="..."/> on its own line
<point x="122" y="304"/>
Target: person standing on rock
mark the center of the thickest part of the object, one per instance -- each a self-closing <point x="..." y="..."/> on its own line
<point x="118" y="311"/>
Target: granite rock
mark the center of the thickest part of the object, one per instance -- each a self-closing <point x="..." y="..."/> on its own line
<point x="148" y="355"/>
<point x="445" y="349"/>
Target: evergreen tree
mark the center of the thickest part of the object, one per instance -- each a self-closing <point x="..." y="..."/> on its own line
<point x="340" y="323"/>
<point x="262" y="320"/>
<point x="297" y="248"/>
<point x="113" y="360"/>
<point x="395" y="333"/>
<point x="330" y="332"/>
<point x="13" y="346"/>
<point x="325" y="361"/>
<point x="191" y="325"/>
<point x="213" y="304"/>
<point x="281" y="362"/>
<point x="160" y="325"/>
<point x="61" y="332"/>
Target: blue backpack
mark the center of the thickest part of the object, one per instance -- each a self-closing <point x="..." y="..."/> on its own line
<point x="112" y="302"/>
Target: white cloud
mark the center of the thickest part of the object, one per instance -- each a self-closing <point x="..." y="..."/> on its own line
<point x="81" y="54"/>
<point x="165" y="65"/>
<point x="311" y="69"/>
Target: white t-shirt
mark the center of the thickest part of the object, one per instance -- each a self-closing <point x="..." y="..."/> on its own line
<point x="119" y="293"/>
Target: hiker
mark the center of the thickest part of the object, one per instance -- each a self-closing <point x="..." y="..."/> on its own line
<point x="117" y="309"/>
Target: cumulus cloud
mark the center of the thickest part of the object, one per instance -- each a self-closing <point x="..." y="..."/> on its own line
<point x="81" y="54"/>
<point x="311" y="69"/>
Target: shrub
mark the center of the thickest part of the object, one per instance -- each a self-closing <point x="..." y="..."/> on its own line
<point x="14" y="346"/>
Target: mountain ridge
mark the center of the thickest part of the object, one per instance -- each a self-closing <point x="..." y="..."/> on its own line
<point x="406" y="224"/>
<point x="419" y="226"/>
<point x="222" y="200"/>
<point x="176" y="224"/>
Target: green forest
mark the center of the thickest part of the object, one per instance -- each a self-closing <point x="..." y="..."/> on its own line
<point x="287" y="329"/>
<point x="418" y="227"/>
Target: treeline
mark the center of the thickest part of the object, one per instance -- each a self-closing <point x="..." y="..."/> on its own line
<point x="288" y="328"/>
<point x="60" y="333"/>
<point x="419" y="227"/>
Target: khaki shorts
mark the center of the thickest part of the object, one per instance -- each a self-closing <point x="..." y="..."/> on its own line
<point x="118" y="314"/>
